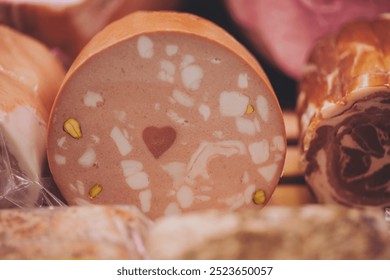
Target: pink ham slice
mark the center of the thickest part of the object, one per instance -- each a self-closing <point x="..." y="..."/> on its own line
<point x="166" y="111"/>
<point x="68" y="25"/>
<point x="344" y="109"/>
<point x="285" y="31"/>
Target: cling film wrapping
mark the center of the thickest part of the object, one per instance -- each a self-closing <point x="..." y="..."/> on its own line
<point x="18" y="190"/>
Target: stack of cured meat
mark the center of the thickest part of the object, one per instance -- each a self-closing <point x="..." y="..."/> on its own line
<point x="139" y="135"/>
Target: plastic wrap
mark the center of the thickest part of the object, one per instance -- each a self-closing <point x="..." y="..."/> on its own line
<point x="29" y="79"/>
<point x="83" y="232"/>
<point x="17" y="190"/>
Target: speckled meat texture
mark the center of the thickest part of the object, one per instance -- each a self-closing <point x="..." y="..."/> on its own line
<point x="69" y="25"/>
<point x="344" y="109"/>
<point x="30" y="77"/>
<point x="166" y="111"/>
<point x="93" y="232"/>
<point x="306" y="232"/>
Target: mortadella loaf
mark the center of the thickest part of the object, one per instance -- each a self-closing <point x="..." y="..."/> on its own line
<point x="169" y="112"/>
<point x="30" y="77"/>
<point x="344" y="110"/>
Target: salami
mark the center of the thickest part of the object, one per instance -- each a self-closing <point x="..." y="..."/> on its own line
<point x="166" y="111"/>
<point x="29" y="80"/>
<point x="344" y="109"/>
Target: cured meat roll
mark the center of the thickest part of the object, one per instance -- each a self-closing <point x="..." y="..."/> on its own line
<point x="344" y="109"/>
<point x="166" y="111"/>
<point x="93" y="232"/>
<point x="30" y="77"/>
<point x="69" y="24"/>
<point x="304" y="233"/>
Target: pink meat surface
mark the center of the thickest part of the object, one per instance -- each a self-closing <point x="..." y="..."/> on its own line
<point x="285" y="31"/>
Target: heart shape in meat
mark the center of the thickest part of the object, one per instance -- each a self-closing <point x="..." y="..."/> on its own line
<point x="158" y="140"/>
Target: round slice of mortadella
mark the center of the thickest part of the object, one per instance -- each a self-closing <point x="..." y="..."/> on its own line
<point x="166" y="111"/>
<point x="344" y="110"/>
